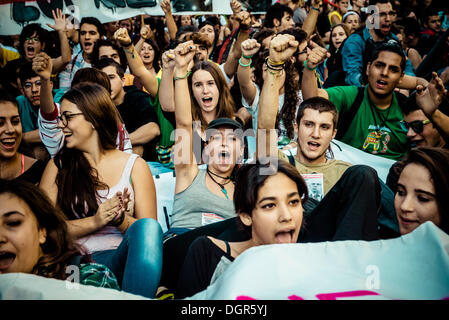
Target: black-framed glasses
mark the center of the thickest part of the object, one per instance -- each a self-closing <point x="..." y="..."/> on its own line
<point x="417" y="126"/>
<point x="66" y="117"/>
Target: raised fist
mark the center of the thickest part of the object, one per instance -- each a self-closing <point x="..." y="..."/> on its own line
<point x="236" y="6"/>
<point x="168" y="59"/>
<point x="184" y="53"/>
<point x="166" y="6"/>
<point x="282" y="47"/>
<point x="250" y="47"/>
<point x="146" y="32"/>
<point x="122" y="37"/>
<point x="316" y="55"/>
<point x="244" y="18"/>
<point x="42" y="65"/>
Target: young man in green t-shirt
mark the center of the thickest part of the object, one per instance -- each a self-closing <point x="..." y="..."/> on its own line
<point x="375" y="127"/>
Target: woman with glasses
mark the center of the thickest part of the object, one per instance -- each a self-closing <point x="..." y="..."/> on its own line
<point x="108" y="196"/>
<point x="14" y="164"/>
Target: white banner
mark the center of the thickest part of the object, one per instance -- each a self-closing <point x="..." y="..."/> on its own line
<point x="415" y="266"/>
<point x="15" y="15"/>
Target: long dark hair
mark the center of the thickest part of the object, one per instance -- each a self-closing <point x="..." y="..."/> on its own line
<point x="59" y="249"/>
<point x="77" y="181"/>
<point x="291" y="87"/>
<point x="226" y="105"/>
<point x="436" y="161"/>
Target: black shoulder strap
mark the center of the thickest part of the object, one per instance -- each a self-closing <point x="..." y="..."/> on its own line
<point x="345" y="119"/>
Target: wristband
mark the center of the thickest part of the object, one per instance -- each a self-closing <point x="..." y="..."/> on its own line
<point x="275" y="63"/>
<point x="130" y="52"/>
<point x="305" y="66"/>
<point x="245" y="65"/>
<point x="247" y="57"/>
<point x="181" y="78"/>
<point x="316" y="9"/>
<point x="127" y="45"/>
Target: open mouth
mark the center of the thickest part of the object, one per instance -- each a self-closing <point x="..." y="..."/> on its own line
<point x="87" y="46"/>
<point x="6" y="260"/>
<point x="8" y="143"/>
<point x="207" y="100"/>
<point x="381" y="84"/>
<point x="313" y="145"/>
<point x="285" y="236"/>
<point x="30" y="50"/>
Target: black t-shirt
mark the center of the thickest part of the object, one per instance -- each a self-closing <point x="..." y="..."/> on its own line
<point x="136" y="111"/>
<point x="199" y="266"/>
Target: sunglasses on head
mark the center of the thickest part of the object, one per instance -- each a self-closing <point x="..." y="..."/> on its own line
<point x="417" y="126"/>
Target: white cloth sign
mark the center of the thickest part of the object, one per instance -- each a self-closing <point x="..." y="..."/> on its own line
<point x="13" y="16"/>
<point x="414" y="266"/>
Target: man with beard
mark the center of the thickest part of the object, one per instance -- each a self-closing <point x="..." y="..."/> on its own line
<point x="374" y="122"/>
<point x="358" y="47"/>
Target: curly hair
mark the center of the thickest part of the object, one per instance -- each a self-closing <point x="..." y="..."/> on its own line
<point x="291" y="87"/>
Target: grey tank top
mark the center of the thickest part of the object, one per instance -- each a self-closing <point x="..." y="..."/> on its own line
<point x="196" y="206"/>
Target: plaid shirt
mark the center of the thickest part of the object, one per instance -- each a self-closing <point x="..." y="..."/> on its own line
<point x="97" y="275"/>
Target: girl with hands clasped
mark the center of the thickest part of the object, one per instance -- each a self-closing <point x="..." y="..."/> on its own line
<point x="108" y="196"/>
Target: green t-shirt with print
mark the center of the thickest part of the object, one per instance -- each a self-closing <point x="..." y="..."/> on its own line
<point x="165" y="143"/>
<point x="372" y="130"/>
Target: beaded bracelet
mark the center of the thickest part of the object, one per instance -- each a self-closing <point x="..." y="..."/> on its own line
<point x="278" y="67"/>
<point x="275" y="63"/>
<point x="305" y="66"/>
<point x="130" y="52"/>
<point x="245" y="65"/>
<point x="181" y="78"/>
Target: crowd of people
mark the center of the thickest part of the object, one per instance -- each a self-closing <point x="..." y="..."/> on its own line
<point x="88" y="116"/>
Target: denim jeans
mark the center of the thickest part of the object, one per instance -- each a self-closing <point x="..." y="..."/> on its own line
<point x="137" y="262"/>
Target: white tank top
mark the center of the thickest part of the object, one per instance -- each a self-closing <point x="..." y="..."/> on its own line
<point x="110" y="237"/>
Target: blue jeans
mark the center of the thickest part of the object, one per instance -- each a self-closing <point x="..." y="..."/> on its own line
<point x="137" y="262"/>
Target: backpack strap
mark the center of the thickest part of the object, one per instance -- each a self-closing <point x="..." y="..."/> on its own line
<point x="291" y="159"/>
<point x="345" y="119"/>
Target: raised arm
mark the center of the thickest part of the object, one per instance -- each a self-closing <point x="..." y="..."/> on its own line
<point x="166" y="90"/>
<point x="315" y="56"/>
<point x="149" y="81"/>
<point x="43" y="66"/>
<point x="171" y="25"/>
<point x="232" y="62"/>
<point x="61" y="27"/>
<point x="429" y="99"/>
<point x="282" y="47"/>
<point x="145" y="33"/>
<point x="249" y="48"/>
<point x="309" y="24"/>
<point x="185" y="166"/>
